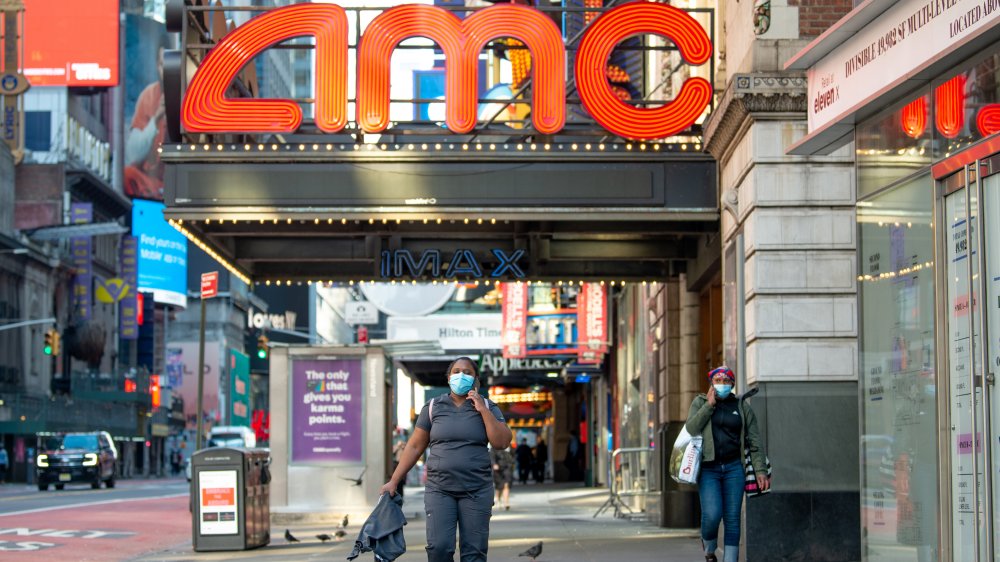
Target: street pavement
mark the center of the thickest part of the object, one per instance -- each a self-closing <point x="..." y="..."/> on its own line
<point x="559" y="515"/>
<point x="81" y="524"/>
<point x="148" y="520"/>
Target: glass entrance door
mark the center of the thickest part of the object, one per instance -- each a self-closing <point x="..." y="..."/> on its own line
<point x="968" y="251"/>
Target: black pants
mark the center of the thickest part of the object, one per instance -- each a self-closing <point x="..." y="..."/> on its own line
<point x="470" y="512"/>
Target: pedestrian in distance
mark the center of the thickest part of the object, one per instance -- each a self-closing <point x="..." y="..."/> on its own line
<point x="4" y="463"/>
<point x="455" y="430"/>
<point x="525" y="461"/>
<point x="541" y="459"/>
<point x="175" y="462"/>
<point x="572" y="459"/>
<point x="727" y="425"/>
<point x="503" y="475"/>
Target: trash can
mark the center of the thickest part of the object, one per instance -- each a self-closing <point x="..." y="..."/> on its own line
<point x="230" y="492"/>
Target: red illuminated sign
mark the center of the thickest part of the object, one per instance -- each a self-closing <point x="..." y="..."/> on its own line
<point x="207" y="110"/>
<point x="592" y="322"/>
<point x="70" y="42"/>
<point x="514" y="320"/>
<point x="949" y="102"/>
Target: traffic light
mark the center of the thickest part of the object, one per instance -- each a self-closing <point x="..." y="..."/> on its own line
<point x="51" y="342"/>
<point x="262" y="347"/>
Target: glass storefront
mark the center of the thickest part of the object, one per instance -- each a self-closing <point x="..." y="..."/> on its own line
<point x="929" y="254"/>
<point x="899" y="426"/>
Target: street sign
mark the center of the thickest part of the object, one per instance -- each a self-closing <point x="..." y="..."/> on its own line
<point x="360" y="312"/>
<point x="209" y="284"/>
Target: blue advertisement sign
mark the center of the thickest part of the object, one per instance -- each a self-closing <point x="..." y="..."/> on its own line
<point x="162" y="254"/>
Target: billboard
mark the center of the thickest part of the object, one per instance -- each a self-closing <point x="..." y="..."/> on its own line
<point x="162" y="254"/>
<point x="239" y="388"/>
<point x="182" y="378"/>
<point x="71" y="43"/>
<point x="327" y="411"/>
<point x="145" y="121"/>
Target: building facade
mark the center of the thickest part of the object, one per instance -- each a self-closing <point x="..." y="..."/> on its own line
<point x="915" y="88"/>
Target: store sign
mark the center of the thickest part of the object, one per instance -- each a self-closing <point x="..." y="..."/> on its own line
<point x="88" y="149"/>
<point x="514" y="308"/>
<point x="592" y="322"/>
<point x="891" y="49"/>
<point x="462" y="263"/>
<point x="207" y="110"/>
<point x="260" y="320"/>
<point x="493" y="365"/>
<point x="454" y="332"/>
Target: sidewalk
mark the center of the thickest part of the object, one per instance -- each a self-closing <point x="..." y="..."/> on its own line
<point x="559" y="515"/>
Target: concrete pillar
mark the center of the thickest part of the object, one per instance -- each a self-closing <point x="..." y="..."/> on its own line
<point x="690" y="364"/>
<point x="800" y="297"/>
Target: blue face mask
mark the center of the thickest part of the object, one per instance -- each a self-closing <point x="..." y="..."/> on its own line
<point x="461" y="383"/>
<point x="723" y="390"/>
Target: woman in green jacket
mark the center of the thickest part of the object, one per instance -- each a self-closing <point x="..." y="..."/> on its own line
<point x="727" y="425"/>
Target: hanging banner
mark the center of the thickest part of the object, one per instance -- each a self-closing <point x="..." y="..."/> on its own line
<point x="514" y="310"/>
<point x="82" y="213"/>
<point x="592" y="322"/>
<point x="128" y="313"/>
<point x="239" y="388"/>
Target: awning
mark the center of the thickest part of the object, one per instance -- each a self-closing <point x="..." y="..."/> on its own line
<point x="879" y="53"/>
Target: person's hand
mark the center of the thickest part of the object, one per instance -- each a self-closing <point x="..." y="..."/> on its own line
<point x="477" y="401"/>
<point x="389" y="487"/>
<point x="496" y="467"/>
<point x="763" y="482"/>
<point x="711" y="396"/>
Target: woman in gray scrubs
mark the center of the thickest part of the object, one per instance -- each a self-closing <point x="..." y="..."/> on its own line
<point x="459" y="493"/>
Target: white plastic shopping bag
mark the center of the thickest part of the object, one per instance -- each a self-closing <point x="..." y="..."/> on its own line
<point x="685" y="459"/>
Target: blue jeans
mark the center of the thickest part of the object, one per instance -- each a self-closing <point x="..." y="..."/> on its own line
<point x="720" y="487"/>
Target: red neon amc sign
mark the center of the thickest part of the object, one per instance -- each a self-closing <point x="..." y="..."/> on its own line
<point x="207" y="110"/>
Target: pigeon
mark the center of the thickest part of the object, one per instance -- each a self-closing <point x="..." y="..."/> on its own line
<point x="323" y="537"/>
<point x="340" y="534"/>
<point x="533" y="552"/>
<point x="357" y="481"/>
<point x="343" y="524"/>
<point x="290" y="537"/>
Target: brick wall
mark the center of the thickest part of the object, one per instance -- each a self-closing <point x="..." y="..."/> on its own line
<point x="816" y="16"/>
<point x="38" y="189"/>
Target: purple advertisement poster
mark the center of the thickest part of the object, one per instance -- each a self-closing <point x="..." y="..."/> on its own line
<point x="327" y="413"/>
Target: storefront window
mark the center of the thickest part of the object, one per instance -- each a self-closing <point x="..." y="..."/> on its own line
<point x="929" y="125"/>
<point x="894" y="145"/>
<point x="899" y="417"/>
<point x="965" y="106"/>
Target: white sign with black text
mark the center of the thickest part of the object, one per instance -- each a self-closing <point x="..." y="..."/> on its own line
<point x="891" y="49"/>
<point x="360" y="312"/>
<point x="453" y="331"/>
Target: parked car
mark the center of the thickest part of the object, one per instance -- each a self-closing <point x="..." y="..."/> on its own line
<point x="77" y="458"/>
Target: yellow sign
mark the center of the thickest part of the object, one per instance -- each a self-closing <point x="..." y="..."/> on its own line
<point x="112" y="290"/>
